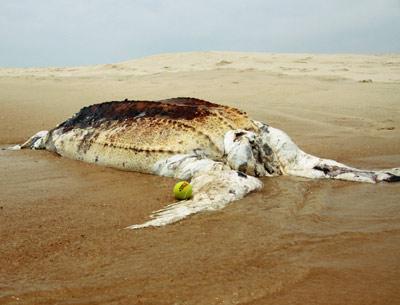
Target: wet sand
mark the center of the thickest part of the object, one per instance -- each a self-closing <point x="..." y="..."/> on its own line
<point x="296" y="242"/>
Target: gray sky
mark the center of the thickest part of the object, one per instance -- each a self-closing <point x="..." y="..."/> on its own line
<point x="81" y="32"/>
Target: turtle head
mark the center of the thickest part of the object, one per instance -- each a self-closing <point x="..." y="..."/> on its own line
<point x="246" y="152"/>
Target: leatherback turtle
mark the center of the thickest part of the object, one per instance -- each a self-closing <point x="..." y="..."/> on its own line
<point x="218" y="148"/>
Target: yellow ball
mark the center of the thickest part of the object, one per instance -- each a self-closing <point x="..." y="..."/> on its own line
<point x="182" y="190"/>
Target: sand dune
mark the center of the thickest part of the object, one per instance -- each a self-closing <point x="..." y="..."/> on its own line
<point x="297" y="241"/>
<point x="382" y="68"/>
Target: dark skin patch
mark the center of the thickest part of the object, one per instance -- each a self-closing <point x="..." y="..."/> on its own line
<point x="269" y="168"/>
<point x="170" y="109"/>
<point x="238" y="135"/>
<point x="392" y="178"/>
<point x="267" y="149"/>
<point x="241" y="174"/>
<point x="136" y="150"/>
<point x="243" y="167"/>
<point x="332" y="170"/>
<point x="322" y="169"/>
<point x="87" y="141"/>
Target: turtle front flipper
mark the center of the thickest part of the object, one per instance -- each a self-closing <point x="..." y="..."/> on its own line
<point x="214" y="186"/>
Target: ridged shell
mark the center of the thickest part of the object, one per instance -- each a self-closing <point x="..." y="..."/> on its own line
<point x="134" y="135"/>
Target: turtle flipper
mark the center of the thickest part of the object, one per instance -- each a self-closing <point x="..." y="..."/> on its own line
<point x="37" y="141"/>
<point x="214" y="187"/>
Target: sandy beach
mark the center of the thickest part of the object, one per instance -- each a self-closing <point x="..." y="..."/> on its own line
<point x="297" y="241"/>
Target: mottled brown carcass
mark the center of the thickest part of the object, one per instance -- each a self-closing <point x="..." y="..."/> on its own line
<point x="217" y="147"/>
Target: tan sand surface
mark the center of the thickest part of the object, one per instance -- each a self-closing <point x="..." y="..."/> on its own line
<point x="296" y="242"/>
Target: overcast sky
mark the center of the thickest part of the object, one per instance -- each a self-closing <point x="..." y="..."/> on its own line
<point x="80" y="32"/>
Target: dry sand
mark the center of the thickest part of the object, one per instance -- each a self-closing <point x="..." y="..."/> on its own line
<point x="296" y="242"/>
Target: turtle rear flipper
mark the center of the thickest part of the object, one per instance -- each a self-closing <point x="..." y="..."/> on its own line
<point x="37" y="141"/>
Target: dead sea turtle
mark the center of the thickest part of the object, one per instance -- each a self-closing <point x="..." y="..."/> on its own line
<point x="218" y="148"/>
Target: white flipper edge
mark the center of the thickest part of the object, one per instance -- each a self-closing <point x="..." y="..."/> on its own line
<point x="214" y="187"/>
